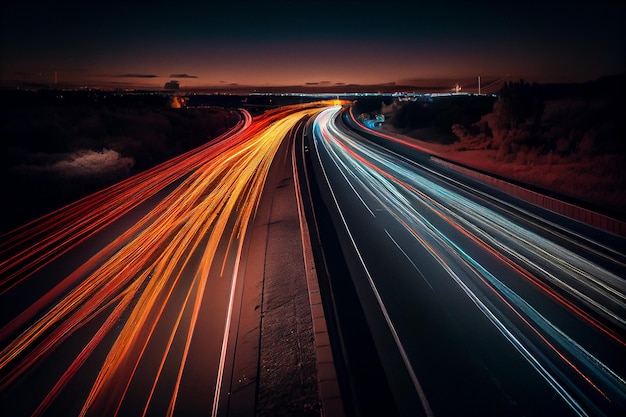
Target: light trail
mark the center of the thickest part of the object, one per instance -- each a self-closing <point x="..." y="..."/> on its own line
<point x="148" y="286"/>
<point x="445" y="221"/>
<point x="32" y="246"/>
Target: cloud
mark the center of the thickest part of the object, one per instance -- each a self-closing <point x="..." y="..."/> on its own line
<point x="80" y="164"/>
<point x="183" y="76"/>
<point x="136" y="76"/>
<point x="318" y="83"/>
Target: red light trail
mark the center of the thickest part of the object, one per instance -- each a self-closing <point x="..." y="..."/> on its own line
<point x="140" y="298"/>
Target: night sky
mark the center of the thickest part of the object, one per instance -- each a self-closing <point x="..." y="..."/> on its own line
<point x="276" y="43"/>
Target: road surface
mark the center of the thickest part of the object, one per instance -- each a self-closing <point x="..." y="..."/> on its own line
<point x="122" y="303"/>
<point x="476" y="303"/>
<point x="446" y="297"/>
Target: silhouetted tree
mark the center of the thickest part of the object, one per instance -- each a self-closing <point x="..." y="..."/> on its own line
<point x="519" y="104"/>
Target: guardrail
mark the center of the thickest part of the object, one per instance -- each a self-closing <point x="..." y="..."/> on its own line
<point x="581" y="214"/>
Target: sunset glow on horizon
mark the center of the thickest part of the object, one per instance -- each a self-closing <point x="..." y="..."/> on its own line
<point x="320" y="44"/>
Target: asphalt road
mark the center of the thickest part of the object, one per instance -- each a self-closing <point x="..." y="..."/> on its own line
<point x="123" y="303"/>
<point x="443" y="296"/>
<point x="477" y="303"/>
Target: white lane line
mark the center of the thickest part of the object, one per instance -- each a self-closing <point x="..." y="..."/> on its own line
<point x="403" y="354"/>
<point x="410" y="260"/>
<point x="231" y="301"/>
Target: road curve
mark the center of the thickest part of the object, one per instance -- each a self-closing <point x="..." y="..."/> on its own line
<point x="120" y="304"/>
<point x="477" y="304"/>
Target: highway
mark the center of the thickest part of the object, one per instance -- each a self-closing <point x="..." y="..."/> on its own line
<point x="477" y="303"/>
<point x="443" y="296"/>
<point x="122" y="303"/>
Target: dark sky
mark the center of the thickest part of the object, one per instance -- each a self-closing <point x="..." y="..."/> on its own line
<point x="295" y="43"/>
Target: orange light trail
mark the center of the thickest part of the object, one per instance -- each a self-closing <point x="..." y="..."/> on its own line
<point x="133" y="280"/>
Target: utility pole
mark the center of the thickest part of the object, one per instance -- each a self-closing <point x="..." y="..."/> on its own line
<point x="479" y="85"/>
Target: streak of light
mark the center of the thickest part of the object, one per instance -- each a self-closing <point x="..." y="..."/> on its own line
<point x="580" y="239"/>
<point x="408" y="193"/>
<point x="37" y="243"/>
<point x="132" y="280"/>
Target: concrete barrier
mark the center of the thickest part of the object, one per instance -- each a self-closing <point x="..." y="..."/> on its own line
<point x="590" y="217"/>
